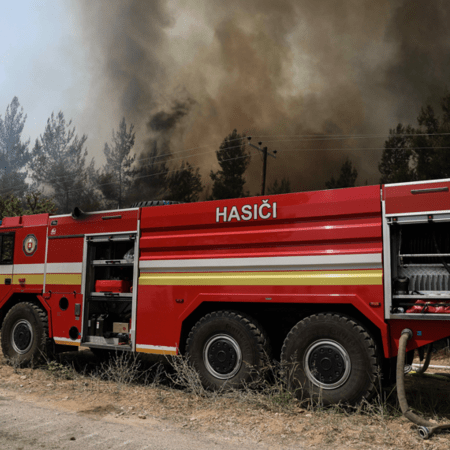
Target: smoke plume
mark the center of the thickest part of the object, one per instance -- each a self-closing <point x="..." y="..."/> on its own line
<point x="189" y="72"/>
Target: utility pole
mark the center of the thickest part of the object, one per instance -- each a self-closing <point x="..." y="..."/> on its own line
<point x="263" y="181"/>
<point x="265" y="153"/>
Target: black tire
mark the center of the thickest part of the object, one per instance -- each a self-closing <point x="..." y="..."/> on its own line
<point x="331" y="359"/>
<point x="25" y="334"/>
<point x="227" y="349"/>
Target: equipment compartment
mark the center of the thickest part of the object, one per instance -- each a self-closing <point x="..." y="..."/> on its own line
<point x="420" y="266"/>
<point x="109" y="279"/>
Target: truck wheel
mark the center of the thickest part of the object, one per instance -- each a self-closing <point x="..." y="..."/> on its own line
<point x="330" y="358"/>
<point x="226" y="348"/>
<point x="24" y="334"/>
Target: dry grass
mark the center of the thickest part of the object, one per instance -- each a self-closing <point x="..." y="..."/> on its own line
<point x="265" y="410"/>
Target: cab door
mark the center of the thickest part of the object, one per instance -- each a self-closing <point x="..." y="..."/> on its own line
<point x="6" y="264"/>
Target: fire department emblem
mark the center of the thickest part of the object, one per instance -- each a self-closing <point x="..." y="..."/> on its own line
<point x="30" y="244"/>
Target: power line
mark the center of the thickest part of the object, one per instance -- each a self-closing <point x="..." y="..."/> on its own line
<point x="324" y="137"/>
<point x="143" y="159"/>
<point x="363" y="148"/>
<point x="135" y="178"/>
<point x="310" y="137"/>
<point x="160" y="173"/>
<point x="16" y="188"/>
<point x="264" y="167"/>
<point x="240" y="157"/>
<point x="349" y="136"/>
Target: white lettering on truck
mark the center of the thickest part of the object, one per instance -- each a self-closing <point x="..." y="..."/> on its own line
<point x="265" y="210"/>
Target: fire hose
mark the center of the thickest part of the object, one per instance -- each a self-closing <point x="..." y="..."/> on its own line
<point x="426" y="428"/>
<point x="424" y="368"/>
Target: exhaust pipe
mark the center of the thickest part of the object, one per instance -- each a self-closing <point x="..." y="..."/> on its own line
<point x="77" y="213"/>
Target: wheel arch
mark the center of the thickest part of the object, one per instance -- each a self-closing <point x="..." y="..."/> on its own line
<point x="320" y="353"/>
<point x="284" y="315"/>
<point x="25" y="332"/>
<point x="19" y="298"/>
<point x="227" y="348"/>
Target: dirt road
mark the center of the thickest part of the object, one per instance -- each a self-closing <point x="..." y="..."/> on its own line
<point x="26" y="426"/>
<point x="63" y="407"/>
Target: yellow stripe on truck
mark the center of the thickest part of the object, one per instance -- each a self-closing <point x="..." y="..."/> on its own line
<point x="52" y="278"/>
<point x="154" y="351"/>
<point x="29" y="278"/>
<point x="63" y="278"/>
<point x="67" y="342"/>
<point x="288" y="278"/>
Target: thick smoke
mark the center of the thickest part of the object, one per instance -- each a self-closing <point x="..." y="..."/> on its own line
<point x="419" y="72"/>
<point x="269" y="69"/>
<point x="165" y="128"/>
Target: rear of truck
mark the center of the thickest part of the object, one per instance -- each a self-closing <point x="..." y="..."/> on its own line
<point x="298" y="276"/>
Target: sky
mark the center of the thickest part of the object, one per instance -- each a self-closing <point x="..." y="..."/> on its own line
<point x="42" y="62"/>
<point x="278" y="71"/>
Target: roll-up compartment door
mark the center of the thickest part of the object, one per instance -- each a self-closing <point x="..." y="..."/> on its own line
<point x="417" y="197"/>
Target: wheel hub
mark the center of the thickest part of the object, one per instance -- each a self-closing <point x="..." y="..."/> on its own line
<point x="22" y="336"/>
<point x="222" y="356"/>
<point x="327" y="364"/>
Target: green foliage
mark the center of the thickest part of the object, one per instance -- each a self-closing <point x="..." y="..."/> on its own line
<point x="10" y="206"/>
<point x="36" y="203"/>
<point x="284" y="187"/>
<point x="59" y="163"/>
<point x="233" y="159"/>
<point x="347" y="177"/>
<point x="420" y="153"/>
<point x="185" y="183"/>
<point x="32" y="203"/>
<point x="116" y="180"/>
<point x="14" y="154"/>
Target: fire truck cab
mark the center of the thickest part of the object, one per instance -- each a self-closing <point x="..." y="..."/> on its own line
<point x="324" y="281"/>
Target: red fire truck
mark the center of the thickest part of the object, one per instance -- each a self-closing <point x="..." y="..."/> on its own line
<point x="324" y="281"/>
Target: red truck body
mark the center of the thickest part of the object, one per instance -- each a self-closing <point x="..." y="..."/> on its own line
<point x="276" y="258"/>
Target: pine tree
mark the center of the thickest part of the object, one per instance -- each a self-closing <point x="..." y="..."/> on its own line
<point x="419" y="153"/>
<point x="116" y="180"/>
<point x="233" y="158"/>
<point x="185" y="183"/>
<point x="395" y="165"/>
<point x="347" y="177"/>
<point x="14" y="154"/>
<point x="59" y="163"/>
<point x="284" y="187"/>
<point x="150" y="181"/>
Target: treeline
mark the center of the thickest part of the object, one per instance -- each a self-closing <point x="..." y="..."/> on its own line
<point x="411" y="153"/>
<point x="55" y="174"/>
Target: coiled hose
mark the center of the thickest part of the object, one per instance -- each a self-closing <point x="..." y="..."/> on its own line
<point x="426" y="428"/>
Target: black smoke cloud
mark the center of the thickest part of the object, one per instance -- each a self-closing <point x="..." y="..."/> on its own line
<point x="269" y="69"/>
<point x="419" y="72"/>
<point x="164" y="121"/>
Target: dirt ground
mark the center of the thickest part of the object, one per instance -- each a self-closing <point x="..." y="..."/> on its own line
<point x="67" y="386"/>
